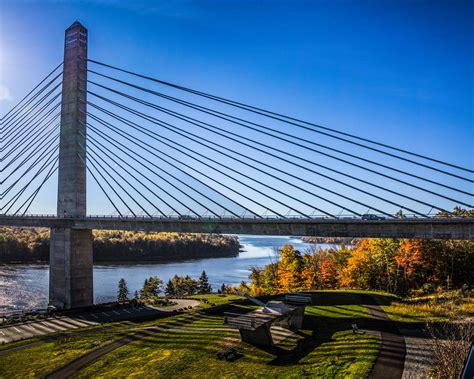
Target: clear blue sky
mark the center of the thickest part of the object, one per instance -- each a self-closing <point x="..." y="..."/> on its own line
<point x="400" y="72"/>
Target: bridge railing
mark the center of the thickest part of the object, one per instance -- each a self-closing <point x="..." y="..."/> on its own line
<point x="371" y="217"/>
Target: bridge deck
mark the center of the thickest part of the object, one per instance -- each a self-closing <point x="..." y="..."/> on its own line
<point x="426" y="228"/>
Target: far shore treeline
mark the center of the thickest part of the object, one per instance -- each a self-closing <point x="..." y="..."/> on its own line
<point x="28" y="245"/>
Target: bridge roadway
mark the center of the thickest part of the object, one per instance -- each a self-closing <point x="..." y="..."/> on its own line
<point x="422" y="228"/>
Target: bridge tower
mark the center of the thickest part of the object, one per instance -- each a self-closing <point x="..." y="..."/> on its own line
<point x="70" y="281"/>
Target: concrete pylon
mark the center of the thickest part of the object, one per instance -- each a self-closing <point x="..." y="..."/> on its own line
<point x="70" y="280"/>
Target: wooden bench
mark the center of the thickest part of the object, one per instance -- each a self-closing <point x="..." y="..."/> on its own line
<point x="298" y="298"/>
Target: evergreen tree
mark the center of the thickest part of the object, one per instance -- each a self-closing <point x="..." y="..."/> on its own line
<point x="204" y="286"/>
<point x="190" y="285"/>
<point x="184" y="286"/>
<point x="122" y="295"/>
<point x="151" y="288"/>
<point x="169" y="290"/>
<point x="223" y="288"/>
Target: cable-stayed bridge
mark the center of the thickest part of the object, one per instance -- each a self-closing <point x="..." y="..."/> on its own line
<point x="156" y="156"/>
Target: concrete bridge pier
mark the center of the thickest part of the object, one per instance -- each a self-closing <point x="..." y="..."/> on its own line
<point x="70" y="283"/>
<point x="70" y="273"/>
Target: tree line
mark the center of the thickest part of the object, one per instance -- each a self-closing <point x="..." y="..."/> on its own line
<point x="32" y="245"/>
<point x="399" y="266"/>
<point x="178" y="286"/>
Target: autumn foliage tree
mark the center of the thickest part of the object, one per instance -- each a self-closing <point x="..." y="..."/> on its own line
<point x="408" y="262"/>
<point x="289" y="269"/>
<point x="392" y="265"/>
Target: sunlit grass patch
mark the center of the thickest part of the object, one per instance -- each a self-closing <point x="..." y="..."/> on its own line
<point x="432" y="308"/>
<point x="37" y="361"/>
<point x="213" y="299"/>
<point x="208" y="322"/>
<point x="347" y="355"/>
<point x="338" y="311"/>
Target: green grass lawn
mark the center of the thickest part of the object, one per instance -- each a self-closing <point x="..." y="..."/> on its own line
<point x="216" y="299"/>
<point x="325" y="347"/>
<point x="37" y="361"/>
<point x="190" y="352"/>
<point x="6" y="346"/>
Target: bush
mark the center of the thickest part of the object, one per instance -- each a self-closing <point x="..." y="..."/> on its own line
<point x="451" y="345"/>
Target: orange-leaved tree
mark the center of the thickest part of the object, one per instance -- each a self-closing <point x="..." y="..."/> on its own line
<point x="289" y="269"/>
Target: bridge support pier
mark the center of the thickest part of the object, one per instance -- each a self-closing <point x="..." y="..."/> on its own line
<point x="70" y="274"/>
<point x="70" y="283"/>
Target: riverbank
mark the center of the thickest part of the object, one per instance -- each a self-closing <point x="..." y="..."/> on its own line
<point x="31" y="245"/>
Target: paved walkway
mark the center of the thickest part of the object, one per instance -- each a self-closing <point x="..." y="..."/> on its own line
<point x="62" y="323"/>
<point x="391" y="358"/>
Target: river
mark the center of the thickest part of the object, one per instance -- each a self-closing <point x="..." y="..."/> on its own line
<point x="26" y="286"/>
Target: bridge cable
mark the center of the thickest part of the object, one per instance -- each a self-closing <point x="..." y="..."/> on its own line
<point x="266" y="165"/>
<point x="98" y="145"/>
<point x="22" y="122"/>
<point x="193" y="122"/>
<point x="210" y="187"/>
<point x="30" y="146"/>
<point x="225" y="186"/>
<point x="198" y="180"/>
<point x="149" y="118"/>
<point x="257" y="161"/>
<point x="35" y="193"/>
<point x="125" y="180"/>
<point x="35" y="132"/>
<point x="180" y="116"/>
<point x="112" y="187"/>
<point x="27" y="123"/>
<point x="32" y="140"/>
<point x="19" y="193"/>
<point x="44" y="147"/>
<point x="293" y="121"/>
<point x="29" y="93"/>
<point x="18" y="123"/>
<point x="29" y="142"/>
<point x="32" y="165"/>
<point x="100" y="185"/>
<point x="238" y="121"/>
<point x="232" y="189"/>
<point x="47" y="161"/>
<point x="203" y="174"/>
<point x="153" y="172"/>
<point x="136" y="126"/>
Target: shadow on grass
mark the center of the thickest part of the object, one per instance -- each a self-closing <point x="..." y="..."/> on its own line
<point x="322" y="331"/>
<point x="350" y="298"/>
<point x="321" y="328"/>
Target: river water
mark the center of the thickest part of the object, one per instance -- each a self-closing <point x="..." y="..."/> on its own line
<point x="26" y="286"/>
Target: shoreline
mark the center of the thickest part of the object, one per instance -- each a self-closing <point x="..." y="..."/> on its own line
<point x="124" y="263"/>
<point x="129" y="262"/>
